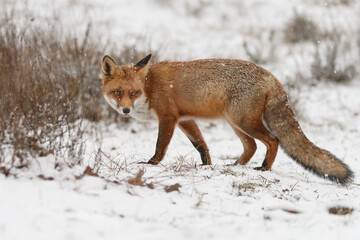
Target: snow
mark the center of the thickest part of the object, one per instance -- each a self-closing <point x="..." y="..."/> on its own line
<point x="213" y="202"/>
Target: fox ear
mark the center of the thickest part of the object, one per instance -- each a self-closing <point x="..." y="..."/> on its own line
<point x="108" y="66"/>
<point x="143" y="64"/>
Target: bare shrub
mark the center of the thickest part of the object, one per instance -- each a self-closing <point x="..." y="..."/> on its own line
<point x="196" y="8"/>
<point x="50" y="83"/>
<point x="334" y="59"/>
<point x="330" y="3"/>
<point x="342" y="2"/>
<point x="263" y="50"/>
<point x="39" y="114"/>
<point x="330" y="64"/>
<point x="300" y="28"/>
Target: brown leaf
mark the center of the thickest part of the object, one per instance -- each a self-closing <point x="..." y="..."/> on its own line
<point x="171" y="188"/>
<point x="291" y="211"/>
<point x="4" y="171"/>
<point x="45" y="153"/>
<point x="87" y="171"/>
<point x="340" y="210"/>
<point x="137" y="180"/>
<point x="41" y="176"/>
<point x="150" y="185"/>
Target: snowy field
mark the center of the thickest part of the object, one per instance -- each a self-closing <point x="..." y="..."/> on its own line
<point x="179" y="199"/>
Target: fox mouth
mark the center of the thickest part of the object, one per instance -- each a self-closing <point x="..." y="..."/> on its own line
<point x="127" y="114"/>
<point x="138" y="111"/>
<point x="133" y="111"/>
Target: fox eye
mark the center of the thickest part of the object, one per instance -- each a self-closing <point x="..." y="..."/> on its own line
<point x="117" y="93"/>
<point x="133" y="93"/>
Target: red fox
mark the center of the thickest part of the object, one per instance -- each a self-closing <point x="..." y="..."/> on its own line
<point x="246" y="95"/>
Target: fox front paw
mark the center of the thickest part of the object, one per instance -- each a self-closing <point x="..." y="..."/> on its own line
<point x="153" y="162"/>
<point x="261" y="168"/>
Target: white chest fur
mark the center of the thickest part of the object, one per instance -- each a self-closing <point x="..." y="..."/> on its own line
<point x="141" y="111"/>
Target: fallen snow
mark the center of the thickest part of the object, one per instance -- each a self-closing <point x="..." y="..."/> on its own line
<point x="213" y="202"/>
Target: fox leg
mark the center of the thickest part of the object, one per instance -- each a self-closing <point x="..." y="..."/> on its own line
<point x="249" y="147"/>
<point x="258" y="130"/>
<point x="192" y="131"/>
<point x="166" y="130"/>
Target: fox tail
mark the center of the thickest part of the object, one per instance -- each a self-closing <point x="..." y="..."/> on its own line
<point x="281" y="121"/>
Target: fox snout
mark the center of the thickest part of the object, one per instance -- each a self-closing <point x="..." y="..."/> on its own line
<point x="126" y="110"/>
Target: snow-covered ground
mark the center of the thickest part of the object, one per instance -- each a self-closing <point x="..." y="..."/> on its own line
<point x="210" y="202"/>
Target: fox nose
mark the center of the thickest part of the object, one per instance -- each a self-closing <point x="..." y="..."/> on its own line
<point x="126" y="110"/>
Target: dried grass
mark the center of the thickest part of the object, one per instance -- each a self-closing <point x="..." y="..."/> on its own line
<point x="41" y="89"/>
<point x="50" y="83"/>
<point x="329" y="62"/>
<point x="300" y="28"/>
<point x="261" y="50"/>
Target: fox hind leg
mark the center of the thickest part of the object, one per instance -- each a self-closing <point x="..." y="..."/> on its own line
<point x="256" y="129"/>
<point x="249" y="147"/>
<point x="192" y="131"/>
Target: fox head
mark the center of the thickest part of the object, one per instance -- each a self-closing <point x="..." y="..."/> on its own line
<point x="123" y="86"/>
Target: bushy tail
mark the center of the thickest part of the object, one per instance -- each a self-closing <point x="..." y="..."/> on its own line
<point x="280" y="118"/>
